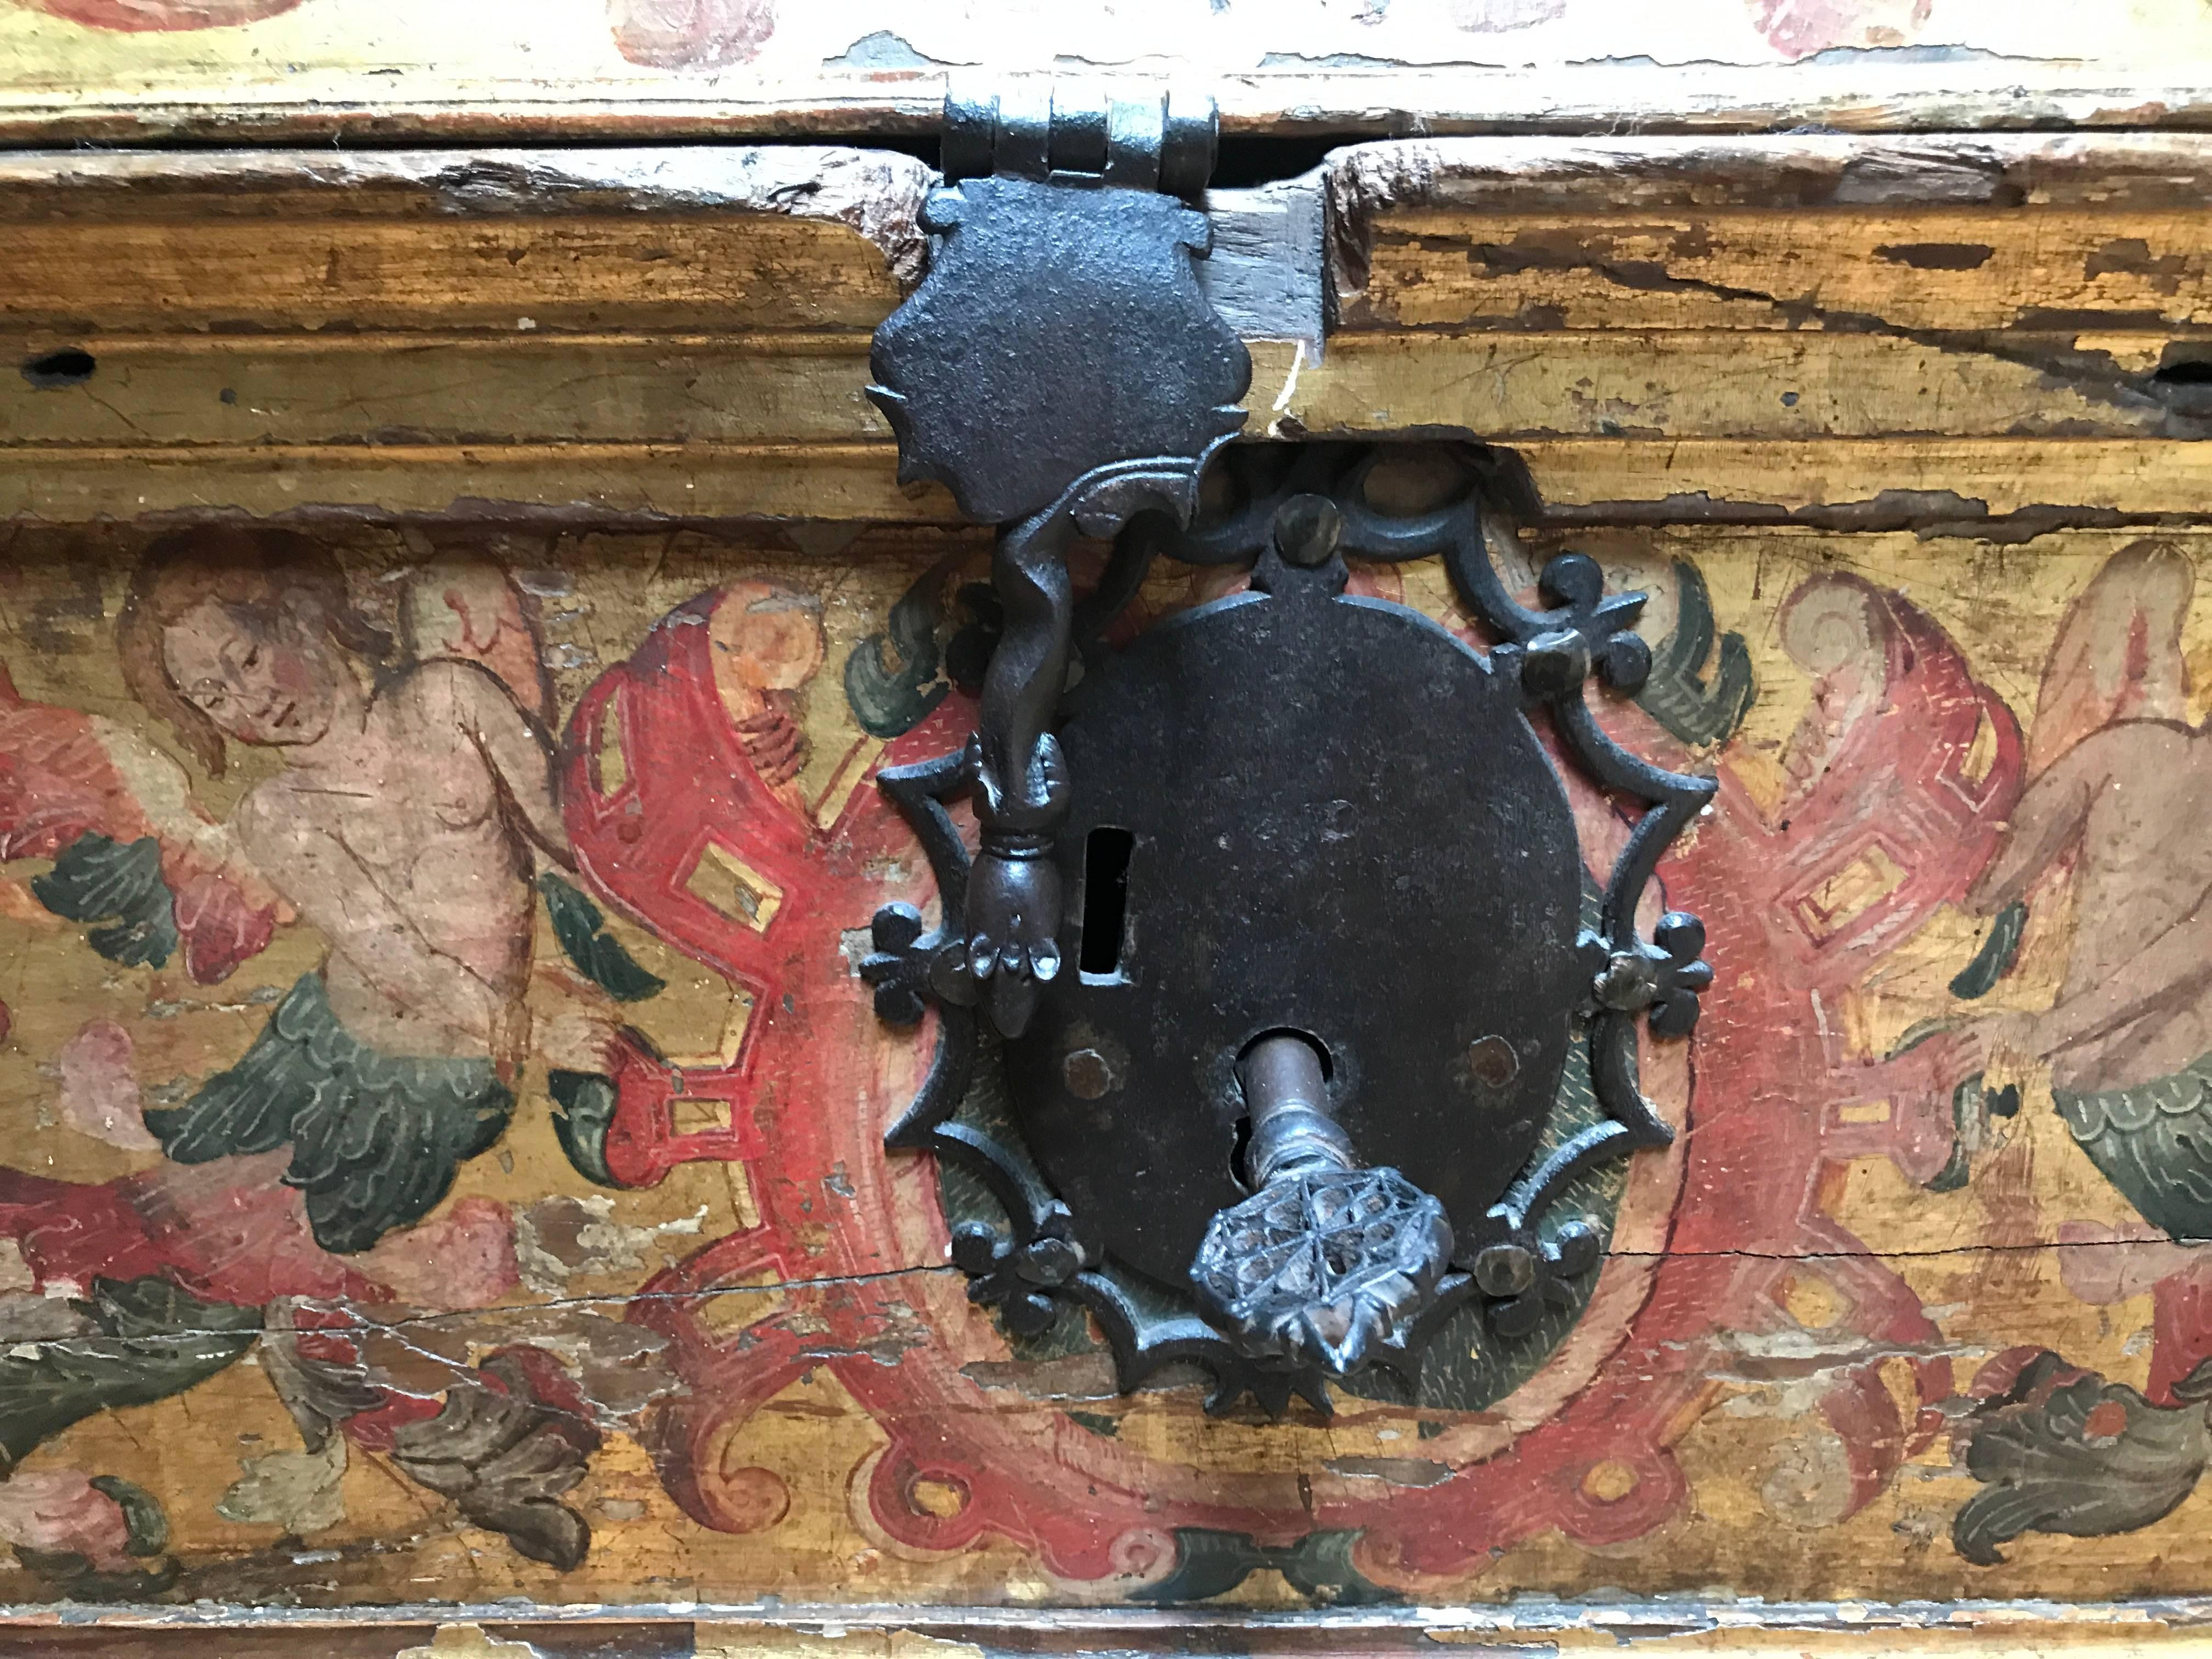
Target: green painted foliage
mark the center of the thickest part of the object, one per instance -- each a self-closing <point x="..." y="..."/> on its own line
<point x="375" y="1137"/>
<point x="150" y="1339"/>
<point x="585" y="1102"/>
<point x="1696" y="709"/>
<point x="1994" y="959"/>
<point x="599" y="955"/>
<point x="1210" y="1562"/>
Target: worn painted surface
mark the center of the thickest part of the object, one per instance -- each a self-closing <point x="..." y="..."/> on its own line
<point x="453" y="1342"/>
<point x="1947" y="329"/>
<point x="1784" y="1631"/>
<point x="119" y="67"/>
<point x="452" y="607"/>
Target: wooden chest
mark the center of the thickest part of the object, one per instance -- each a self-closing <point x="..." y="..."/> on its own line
<point x="457" y="600"/>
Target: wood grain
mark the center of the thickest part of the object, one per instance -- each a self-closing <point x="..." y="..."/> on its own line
<point x="576" y="481"/>
<point x="305" y="323"/>
<point x="756" y="272"/>
<point x="522" y="73"/>
<point x="538" y="388"/>
<point x="1874" y="483"/>
<point x="1956" y="268"/>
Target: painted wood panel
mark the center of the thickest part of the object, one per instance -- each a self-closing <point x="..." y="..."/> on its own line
<point x="324" y="1284"/>
<point x="453" y="606"/>
<point x="110" y="68"/>
<point x="2001" y="327"/>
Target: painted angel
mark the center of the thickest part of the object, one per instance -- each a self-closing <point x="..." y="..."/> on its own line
<point x="2118" y="803"/>
<point x="414" y="800"/>
<point x="2117" y="809"/>
<point x="412" y="806"/>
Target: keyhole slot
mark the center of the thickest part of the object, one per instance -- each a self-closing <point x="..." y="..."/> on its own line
<point x="1106" y="854"/>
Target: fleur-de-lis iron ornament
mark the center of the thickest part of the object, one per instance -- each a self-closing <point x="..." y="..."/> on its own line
<point x="1279" y="916"/>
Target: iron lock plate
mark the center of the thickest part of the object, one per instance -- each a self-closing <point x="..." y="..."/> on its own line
<point x="1277" y="1007"/>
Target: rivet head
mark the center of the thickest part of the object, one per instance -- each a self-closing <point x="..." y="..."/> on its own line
<point x="1085" y="1072"/>
<point x="1578" y="1248"/>
<point x="1048" y="1262"/>
<point x="1555" y="663"/>
<point x="1491" y="1062"/>
<point x="1504" y="1270"/>
<point x="1306" y="529"/>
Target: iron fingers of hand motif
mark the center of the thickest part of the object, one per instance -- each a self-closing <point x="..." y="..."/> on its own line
<point x="1013" y="909"/>
<point x="1010" y="926"/>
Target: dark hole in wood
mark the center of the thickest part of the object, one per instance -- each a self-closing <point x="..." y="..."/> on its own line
<point x="2190" y="371"/>
<point x="1938" y="255"/>
<point x="71" y="366"/>
<point x="1242" y="161"/>
<point x="1106" y="853"/>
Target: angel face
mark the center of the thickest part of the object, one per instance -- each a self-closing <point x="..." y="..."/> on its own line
<point x="262" y="678"/>
<point x="768" y="639"/>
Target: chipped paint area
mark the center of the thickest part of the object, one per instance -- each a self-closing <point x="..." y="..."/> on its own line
<point x="115" y="66"/>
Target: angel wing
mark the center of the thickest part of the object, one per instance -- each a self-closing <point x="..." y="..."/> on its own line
<point x="2119" y="653"/>
<point x="2119" y="656"/>
<point x="460" y="602"/>
<point x="134" y="853"/>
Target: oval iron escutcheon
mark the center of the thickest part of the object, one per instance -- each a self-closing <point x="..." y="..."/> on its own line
<point x="1339" y="822"/>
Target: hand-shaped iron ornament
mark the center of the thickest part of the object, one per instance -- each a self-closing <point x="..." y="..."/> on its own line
<point x="1060" y="371"/>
